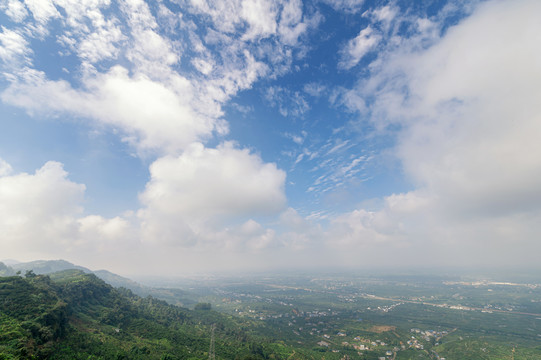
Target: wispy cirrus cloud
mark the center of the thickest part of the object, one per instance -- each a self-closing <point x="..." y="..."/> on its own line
<point x="289" y="103"/>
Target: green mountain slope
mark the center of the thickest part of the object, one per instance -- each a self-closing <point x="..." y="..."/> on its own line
<point x="47" y="266"/>
<point x="74" y="315"/>
<point x="43" y="267"/>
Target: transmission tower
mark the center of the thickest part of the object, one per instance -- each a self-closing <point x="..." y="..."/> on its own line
<point x="212" y="355"/>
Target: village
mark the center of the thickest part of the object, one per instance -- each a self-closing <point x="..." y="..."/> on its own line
<point x="363" y="344"/>
<point x="368" y="320"/>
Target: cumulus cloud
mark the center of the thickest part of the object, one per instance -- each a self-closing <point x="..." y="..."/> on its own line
<point x="462" y="103"/>
<point x="153" y="115"/>
<point x="470" y="124"/>
<point x="227" y="60"/>
<point x="469" y="119"/>
<point x="249" y="237"/>
<point x="198" y="189"/>
<point x="299" y="233"/>
<point x="153" y="106"/>
<point x="150" y="100"/>
<point x="41" y="214"/>
<point x="159" y="107"/>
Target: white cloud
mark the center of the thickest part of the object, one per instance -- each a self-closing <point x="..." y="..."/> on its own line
<point x="261" y="18"/>
<point x="299" y="233"/>
<point x="238" y="73"/>
<point x="94" y="227"/>
<point x="203" y="187"/>
<point x="384" y="16"/>
<point x="385" y="13"/>
<point x="297" y="139"/>
<point x="472" y="112"/>
<point x="42" y="10"/>
<point x="359" y="229"/>
<point x="205" y="67"/>
<point x="352" y="100"/>
<point x="358" y="47"/>
<point x="153" y="115"/>
<point x="100" y="44"/>
<point x="225" y="180"/>
<point x="21" y="193"/>
<point x="469" y="115"/>
<point x="249" y="237"/>
<point x="5" y="168"/>
<point x="224" y="14"/>
<point x="151" y="53"/>
<point x="88" y="33"/>
<point x="14" y="48"/>
<point x="291" y="25"/>
<point x="348" y="6"/>
<point x="156" y="105"/>
<point x="289" y="103"/>
<point x="269" y="30"/>
<point x="41" y="215"/>
<point x="314" y="89"/>
<point x="15" y="9"/>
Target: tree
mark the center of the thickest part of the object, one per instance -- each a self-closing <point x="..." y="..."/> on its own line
<point x="202" y="306"/>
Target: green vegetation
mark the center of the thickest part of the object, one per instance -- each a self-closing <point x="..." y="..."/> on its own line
<point x="202" y="306"/>
<point x="73" y="314"/>
<point x="422" y="317"/>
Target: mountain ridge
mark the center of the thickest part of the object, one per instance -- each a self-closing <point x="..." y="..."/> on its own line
<point x="43" y="267"/>
<point x="75" y="315"/>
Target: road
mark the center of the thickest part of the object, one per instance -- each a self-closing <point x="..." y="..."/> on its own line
<point x="466" y="308"/>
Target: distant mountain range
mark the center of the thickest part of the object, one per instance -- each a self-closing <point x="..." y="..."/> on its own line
<point x="44" y="267"/>
<point x="40" y="267"/>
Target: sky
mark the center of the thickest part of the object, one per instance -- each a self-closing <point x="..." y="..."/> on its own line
<point x="183" y="136"/>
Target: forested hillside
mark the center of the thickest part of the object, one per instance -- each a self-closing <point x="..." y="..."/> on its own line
<point x="44" y="267"/>
<point x="74" y="315"/>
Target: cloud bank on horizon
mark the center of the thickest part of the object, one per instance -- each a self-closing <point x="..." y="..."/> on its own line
<point x="184" y="135"/>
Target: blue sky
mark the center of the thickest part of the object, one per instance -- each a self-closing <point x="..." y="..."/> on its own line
<point x="195" y="135"/>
